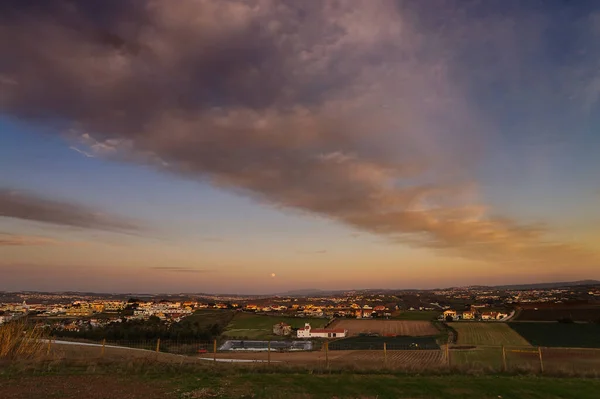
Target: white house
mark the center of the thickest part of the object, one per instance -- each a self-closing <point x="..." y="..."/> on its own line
<point x="308" y="332"/>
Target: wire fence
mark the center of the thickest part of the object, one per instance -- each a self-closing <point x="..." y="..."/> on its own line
<point x="337" y="355"/>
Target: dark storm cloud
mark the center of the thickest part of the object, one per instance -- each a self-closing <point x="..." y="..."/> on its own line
<point x="350" y="110"/>
<point x="26" y="206"/>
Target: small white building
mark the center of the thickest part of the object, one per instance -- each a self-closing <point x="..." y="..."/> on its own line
<point x="308" y="332"/>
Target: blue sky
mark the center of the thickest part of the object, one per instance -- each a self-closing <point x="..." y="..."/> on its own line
<point x="382" y="144"/>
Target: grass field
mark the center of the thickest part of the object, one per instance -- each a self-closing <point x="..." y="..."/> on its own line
<point x="208" y="317"/>
<point x="172" y="384"/>
<point x="418" y="315"/>
<point x="569" y="335"/>
<point x="487" y="333"/>
<point x="255" y="326"/>
<point x="386" y="327"/>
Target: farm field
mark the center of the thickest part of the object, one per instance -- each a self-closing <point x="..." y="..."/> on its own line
<point x="577" y="361"/>
<point x="397" y="359"/>
<point x="555" y="360"/>
<point x="479" y="358"/>
<point x="426" y="315"/>
<point x="255" y="326"/>
<point x="209" y="317"/>
<point x="550" y="314"/>
<point x="386" y="327"/>
<point x="376" y="343"/>
<point x="487" y="333"/>
<point x="568" y="335"/>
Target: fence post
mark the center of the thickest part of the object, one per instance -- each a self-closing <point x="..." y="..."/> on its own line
<point x="158" y="345"/>
<point x="327" y="354"/>
<point x="49" y="343"/>
<point x="448" y="354"/>
<point x="541" y="360"/>
<point x="103" y="347"/>
<point x="215" y="351"/>
<point x="269" y="354"/>
<point x="385" y="353"/>
<point x="504" y="359"/>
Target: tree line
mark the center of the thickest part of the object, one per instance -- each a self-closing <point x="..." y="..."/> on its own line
<point x="151" y="329"/>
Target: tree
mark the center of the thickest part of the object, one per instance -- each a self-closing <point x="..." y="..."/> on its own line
<point x="449" y="318"/>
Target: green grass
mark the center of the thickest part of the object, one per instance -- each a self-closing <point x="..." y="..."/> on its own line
<point x="261" y="326"/>
<point x="487" y="333"/>
<point x="290" y="386"/>
<point x="569" y="335"/>
<point x="208" y="317"/>
<point x="192" y="381"/>
<point x="418" y="315"/>
<point x="249" y="334"/>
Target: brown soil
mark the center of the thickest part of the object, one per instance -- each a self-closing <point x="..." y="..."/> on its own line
<point x="82" y="387"/>
<point x="386" y="327"/>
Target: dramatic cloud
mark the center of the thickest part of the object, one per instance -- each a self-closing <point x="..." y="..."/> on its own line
<point x="20" y="205"/>
<point x="359" y="111"/>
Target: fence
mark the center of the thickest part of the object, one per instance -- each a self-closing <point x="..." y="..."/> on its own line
<point x="334" y="355"/>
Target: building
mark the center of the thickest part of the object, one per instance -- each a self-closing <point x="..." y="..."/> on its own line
<point x="79" y="311"/>
<point x="491" y="315"/>
<point x="308" y="332"/>
<point x="450" y="312"/>
<point x="468" y="315"/>
<point x="282" y="329"/>
<point x="114" y="306"/>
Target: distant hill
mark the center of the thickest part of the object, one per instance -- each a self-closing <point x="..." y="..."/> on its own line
<point x="304" y="292"/>
<point x="548" y="285"/>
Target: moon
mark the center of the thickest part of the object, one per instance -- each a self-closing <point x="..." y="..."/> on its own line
<point x="272" y="274"/>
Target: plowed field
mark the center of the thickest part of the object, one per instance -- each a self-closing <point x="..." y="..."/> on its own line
<point x="414" y="328"/>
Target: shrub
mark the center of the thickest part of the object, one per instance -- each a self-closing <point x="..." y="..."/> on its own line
<point x="18" y="341"/>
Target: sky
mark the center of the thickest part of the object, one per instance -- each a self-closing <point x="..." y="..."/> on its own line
<point x="262" y="146"/>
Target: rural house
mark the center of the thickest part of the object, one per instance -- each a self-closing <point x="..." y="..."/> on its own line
<point x="282" y="329"/>
<point x="308" y="332"/>
<point x="468" y="315"/>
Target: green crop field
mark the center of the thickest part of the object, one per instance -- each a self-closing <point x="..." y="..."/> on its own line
<point x="487" y="333"/>
<point x="568" y="335"/>
<point x="418" y="315"/>
<point x="253" y="326"/>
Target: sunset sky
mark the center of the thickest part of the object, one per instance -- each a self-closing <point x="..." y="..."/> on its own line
<point x="203" y="146"/>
